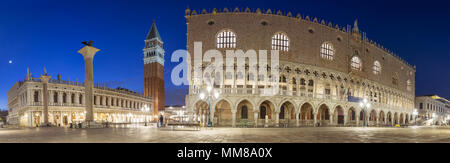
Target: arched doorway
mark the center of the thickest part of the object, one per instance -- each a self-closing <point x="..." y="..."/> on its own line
<point x="287" y="114"/>
<point x="373" y="118"/>
<point x="306" y="115"/>
<point x="266" y="113"/>
<point x="339" y="116"/>
<point x="351" y="117"/>
<point x="244" y="114"/>
<point x="323" y="115"/>
<point x="201" y="112"/>
<point x="222" y="114"/>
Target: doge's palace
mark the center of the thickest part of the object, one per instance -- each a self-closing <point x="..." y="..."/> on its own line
<point x="325" y="72"/>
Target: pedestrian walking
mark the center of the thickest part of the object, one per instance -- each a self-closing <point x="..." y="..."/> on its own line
<point x="161" y="120"/>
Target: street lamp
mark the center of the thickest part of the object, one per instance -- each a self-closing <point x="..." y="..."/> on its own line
<point x="210" y="94"/>
<point x="415" y="113"/>
<point x="364" y="105"/>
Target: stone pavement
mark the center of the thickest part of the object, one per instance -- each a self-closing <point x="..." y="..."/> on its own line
<point x="227" y="135"/>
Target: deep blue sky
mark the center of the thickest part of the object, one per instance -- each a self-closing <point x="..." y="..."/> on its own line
<point x="42" y="33"/>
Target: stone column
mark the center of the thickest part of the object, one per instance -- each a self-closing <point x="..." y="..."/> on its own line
<point x="233" y="120"/>
<point x="357" y="118"/>
<point x="255" y="117"/>
<point x="315" y="119"/>
<point x="45" y="78"/>
<point x="69" y="98"/>
<point x="338" y="93"/>
<point x="297" y="121"/>
<point x="331" y="118"/>
<point x="61" y="118"/>
<point x="315" y="87"/>
<point x="83" y="99"/>
<point x="60" y="98"/>
<point x="77" y="98"/>
<point x="377" y="122"/>
<point x="277" y="119"/>
<point x="88" y="53"/>
<point x="345" y="118"/>
<point x="50" y="97"/>
<point x="200" y="116"/>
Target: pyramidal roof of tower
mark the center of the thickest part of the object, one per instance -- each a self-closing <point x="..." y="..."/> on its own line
<point x="153" y="32"/>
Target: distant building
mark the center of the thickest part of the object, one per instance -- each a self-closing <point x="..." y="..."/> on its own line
<point x="67" y="103"/>
<point x="3" y="116"/>
<point x="176" y="113"/>
<point x="434" y="110"/>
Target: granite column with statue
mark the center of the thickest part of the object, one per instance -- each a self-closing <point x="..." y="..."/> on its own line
<point x="44" y="79"/>
<point x="88" y="53"/>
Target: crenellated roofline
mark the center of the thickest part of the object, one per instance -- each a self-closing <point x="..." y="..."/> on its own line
<point x="344" y="29"/>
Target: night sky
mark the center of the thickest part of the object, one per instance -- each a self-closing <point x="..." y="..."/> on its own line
<point x="42" y="33"/>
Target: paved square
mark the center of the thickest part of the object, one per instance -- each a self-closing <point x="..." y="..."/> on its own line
<point x="227" y="135"/>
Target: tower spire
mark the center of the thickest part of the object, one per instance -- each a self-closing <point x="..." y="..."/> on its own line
<point x="355" y="26"/>
<point x="153" y="33"/>
<point x="28" y="73"/>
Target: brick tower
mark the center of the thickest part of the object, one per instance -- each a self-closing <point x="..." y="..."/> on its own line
<point x="154" y="69"/>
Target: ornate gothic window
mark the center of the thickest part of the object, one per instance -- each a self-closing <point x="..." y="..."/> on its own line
<point x="327" y="51"/>
<point x="356" y="63"/>
<point x="376" y="68"/>
<point x="226" y="39"/>
<point x="280" y="41"/>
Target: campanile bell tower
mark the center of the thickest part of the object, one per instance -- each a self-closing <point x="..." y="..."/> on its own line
<point x="154" y="69"/>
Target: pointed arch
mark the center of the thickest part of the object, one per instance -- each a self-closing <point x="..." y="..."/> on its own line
<point x="338" y="115"/>
<point x="222" y="113"/>
<point x="323" y="115"/>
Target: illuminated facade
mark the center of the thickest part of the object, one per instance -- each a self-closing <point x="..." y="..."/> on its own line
<point x="432" y="110"/>
<point x="154" y="69"/>
<point x="325" y="71"/>
<point x="66" y="104"/>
